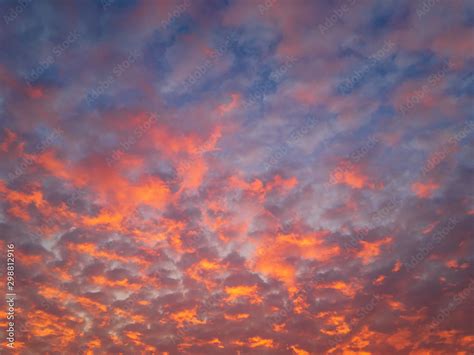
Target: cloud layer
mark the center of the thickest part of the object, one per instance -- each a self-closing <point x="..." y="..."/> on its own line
<point x="226" y="177"/>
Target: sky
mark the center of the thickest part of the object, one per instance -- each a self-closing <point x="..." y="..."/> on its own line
<point x="237" y="177"/>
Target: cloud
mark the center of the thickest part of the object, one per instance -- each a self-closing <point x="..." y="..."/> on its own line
<point x="190" y="178"/>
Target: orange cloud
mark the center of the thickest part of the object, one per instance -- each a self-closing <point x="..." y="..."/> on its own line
<point x="397" y="266"/>
<point x="424" y="190"/>
<point x="272" y="253"/>
<point x="124" y="283"/>
<point x="347" y="289"/>
<point x="278" y="327"/>
<point x="194" y="175"/>
<point x="395" y="305"/>
<point x="93" y="344"/>
<point x="231" y="106"/>
<point x="299" y="304"/>
<point x="61" y="169"/>
<point x="260" y="189"/>
<point x="400" y="339"/>
<point x="19" y="202"/>
<point x="379" y="280"/>
<point x="186" y="316"/>
<point x="92" y="250"/>
<point x="238" y="316"/>
<point x="284" y="184"/>
<point x="337" y="325"/>
<point x="298" y="351"/>
<point x="353" y="178"/>
<point x="372" y="249"/>
<point x="64" y="297"/>
<point x="203" y="270"/>
<point x="256" y="342"/>
<point x="58" y="329"/>
<point x="129" y="317"/>
<point x="104" y="217"/>
<point x="359" y="341"/>
<point x="235" y="292"/>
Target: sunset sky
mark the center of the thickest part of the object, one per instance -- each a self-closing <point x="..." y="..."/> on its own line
<point x="238" y="177"/>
